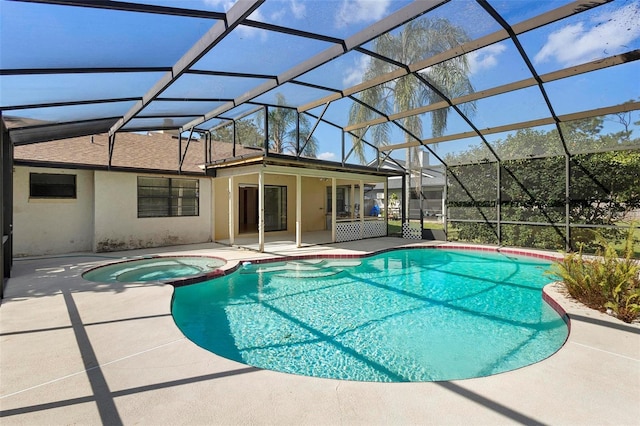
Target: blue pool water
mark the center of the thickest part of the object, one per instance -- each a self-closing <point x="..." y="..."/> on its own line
<point x="153" y="269"/>
<point x="405" y="315"/>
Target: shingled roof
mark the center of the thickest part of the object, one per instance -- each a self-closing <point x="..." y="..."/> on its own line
<point x="151" y="151"/>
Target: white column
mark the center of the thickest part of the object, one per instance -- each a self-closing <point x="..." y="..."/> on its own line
<point x="334" y="206"/>
<point x="386" y="205"/>
<point x="298" y="211"/>
<point x="352" y="201"/>
<point x="261" y="211"/>
<point x="212" y="216"/>
<point x="232" y="204"/>
<point x="361" y="209"/>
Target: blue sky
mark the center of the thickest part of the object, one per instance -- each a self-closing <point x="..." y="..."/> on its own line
<point x="38" y="36"/>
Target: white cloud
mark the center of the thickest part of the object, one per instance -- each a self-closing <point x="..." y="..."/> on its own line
<point x="298" y="9"/>
<point x="217" y="4"/>
<point x="327" y="156"/>
<point x="354" y="11"/>
<point x="354" y="75"/>
<point x="575" y="43"/>
<point x="278" y="15"/>
<point x="485" y="58"/>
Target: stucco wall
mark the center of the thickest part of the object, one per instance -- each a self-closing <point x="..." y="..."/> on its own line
<point x="313" y="204"/>
<point x="221" y="203"/>
<point x="52" y="226"/>
<point x="117" y="226"/>
<point x="290" y="183"/>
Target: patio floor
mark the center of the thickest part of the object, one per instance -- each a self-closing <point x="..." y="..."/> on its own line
<point x="77" y="352"/>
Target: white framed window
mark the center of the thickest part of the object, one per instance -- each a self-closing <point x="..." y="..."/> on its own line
<point x="167" y="197"/>
<point x="52" y="185"/>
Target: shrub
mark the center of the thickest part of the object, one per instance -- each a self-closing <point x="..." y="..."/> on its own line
<point x="610" y="280"/>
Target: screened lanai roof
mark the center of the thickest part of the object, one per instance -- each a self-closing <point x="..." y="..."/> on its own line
<point x="79" y="67"/>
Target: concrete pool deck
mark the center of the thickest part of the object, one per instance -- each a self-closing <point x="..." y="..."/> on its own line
<point x="78" y="352"/>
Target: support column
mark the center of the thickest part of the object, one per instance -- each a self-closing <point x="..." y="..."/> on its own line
<point x="361" y="209"/>
<point x="334" y="206"/>
<point x="567" y="202"/>
<point x="352" y="201"/>
<point x="421" y="162"/>
<point x="298" y="211"/>
<point x="6" y="204"/>
<point x="386" y="205"/>
<point x="404" y="204"/>
<point x="232" y="203"/>
<point x="261" y="211"/>
<point x="499" y="202"/>
<point x="212" y="216"/>
<point x="445" y="196"/>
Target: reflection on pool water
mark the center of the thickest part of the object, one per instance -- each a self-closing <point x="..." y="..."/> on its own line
<point x="154" y="269"/>
<point x="404" y="315"/>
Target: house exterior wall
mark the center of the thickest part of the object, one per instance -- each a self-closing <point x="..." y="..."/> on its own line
<point x="117" y="226"/>
<point x="102" y="217"/>
<point x="313" y="204"/>
<point x="290" y="183"/>
<point x="45" y="226"/>
<point x="221" y="203"/>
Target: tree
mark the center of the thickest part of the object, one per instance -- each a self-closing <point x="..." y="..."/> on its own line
<point x="419" y="39"/>
<point x="283" y="137"/>
<point x="604" y="186"/>
<point x="247" y="133"/>
<point x="625" y="119"/>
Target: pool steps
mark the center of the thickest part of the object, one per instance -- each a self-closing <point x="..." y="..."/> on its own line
<point x="312" y="268"/>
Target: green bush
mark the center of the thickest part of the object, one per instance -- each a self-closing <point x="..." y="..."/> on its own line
<point x="611" y="280"/>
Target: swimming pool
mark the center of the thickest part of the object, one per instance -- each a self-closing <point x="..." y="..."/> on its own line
<point x="160" y="268"/>
<point x="398" y="316"/>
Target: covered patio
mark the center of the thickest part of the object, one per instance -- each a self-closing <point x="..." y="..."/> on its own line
<point x="303" y="200"/>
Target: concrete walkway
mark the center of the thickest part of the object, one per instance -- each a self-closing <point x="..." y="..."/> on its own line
<point x="77" y="352"/>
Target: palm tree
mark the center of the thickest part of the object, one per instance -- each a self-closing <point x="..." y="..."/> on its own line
<point x="283" y="137"/>
<point x="420" y="39"/>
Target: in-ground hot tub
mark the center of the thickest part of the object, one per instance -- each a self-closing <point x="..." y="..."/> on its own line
<point x="160" y="268"/>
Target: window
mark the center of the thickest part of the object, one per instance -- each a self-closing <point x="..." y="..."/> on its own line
<point x="342" y="200"/>
<point x="164" y="197"/>
<point x="49" y="185"/>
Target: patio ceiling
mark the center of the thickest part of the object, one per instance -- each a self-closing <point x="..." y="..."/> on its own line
<point x="79" y="67"/>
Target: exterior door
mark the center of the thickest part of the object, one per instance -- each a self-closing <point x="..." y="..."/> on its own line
<point x="248" y="209"/>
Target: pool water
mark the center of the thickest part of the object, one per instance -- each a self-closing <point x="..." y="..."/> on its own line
<point x="153" y="269"/>
<point x="404" y="315"/>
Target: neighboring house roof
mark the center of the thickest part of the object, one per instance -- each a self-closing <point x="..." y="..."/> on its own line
<point x="150" y="151"/>
<point x="432" y="183"/>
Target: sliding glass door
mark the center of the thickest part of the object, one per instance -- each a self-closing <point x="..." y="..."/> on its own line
<point x="275" y="208"/>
